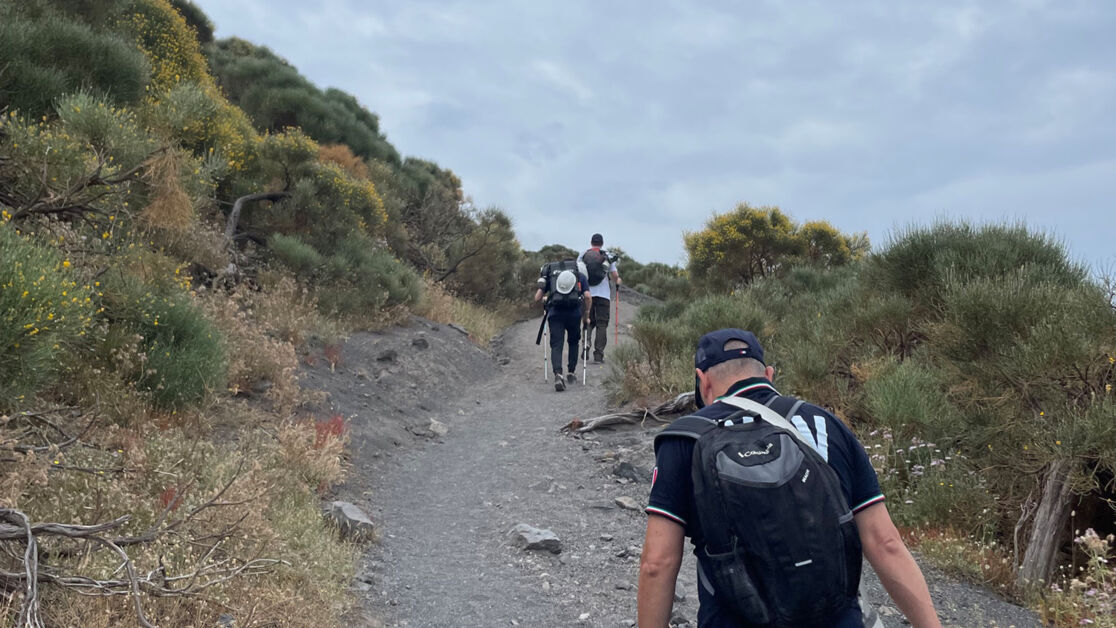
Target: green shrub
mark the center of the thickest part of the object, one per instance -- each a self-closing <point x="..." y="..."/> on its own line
<point x="44" y="311"/>
<point x="184" y="353"/>
<point x="295" y="254"/>
<point x="276" y="97"/>
<point x="920" y="261"/>
<point x="717" y="312"/>
<point x="909" y="399"/>
<point x="113" y="130"/>
<point x="52" y="55"/>
<point x="196" y="19"/>
<point x="360" y="279"/>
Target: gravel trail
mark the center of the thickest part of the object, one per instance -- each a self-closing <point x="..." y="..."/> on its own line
<point x="445" y="507"/>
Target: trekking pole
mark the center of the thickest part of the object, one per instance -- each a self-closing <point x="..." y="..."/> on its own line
<point x="538" y="340"/>
<point x="616" y="337"/>
<point x="546" y="358"/>
<point x="584" y="354"/>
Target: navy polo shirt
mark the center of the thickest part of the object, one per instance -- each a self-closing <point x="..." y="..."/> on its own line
<point x="672" y="490"/>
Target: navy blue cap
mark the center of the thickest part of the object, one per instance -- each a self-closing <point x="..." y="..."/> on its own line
<point x="711" y="352"/>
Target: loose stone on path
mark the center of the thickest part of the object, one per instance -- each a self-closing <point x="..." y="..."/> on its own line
<point x="532" y="538"/>
<point x="351" y="521"/>
<point x="627" y="503"/>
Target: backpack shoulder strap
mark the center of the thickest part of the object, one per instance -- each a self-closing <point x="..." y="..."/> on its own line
<point x="690" y="426"/>
<point x="769" y="415"/>
<point x="786" y="406"/>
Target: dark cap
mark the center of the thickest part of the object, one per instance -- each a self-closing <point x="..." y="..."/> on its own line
<point x="597" y="239"/>
<point x="711" y="352"/>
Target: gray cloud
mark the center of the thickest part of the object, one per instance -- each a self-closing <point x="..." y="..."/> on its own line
<point x="640" y="119"/>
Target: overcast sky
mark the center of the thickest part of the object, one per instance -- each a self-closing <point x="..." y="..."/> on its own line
<point x="640" y="119"/>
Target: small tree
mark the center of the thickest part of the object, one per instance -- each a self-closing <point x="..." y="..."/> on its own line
<point x="748" y="243"/>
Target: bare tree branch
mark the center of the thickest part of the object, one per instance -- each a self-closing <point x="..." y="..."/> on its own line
<point x="681" y="403"/>
<point x="238" y="206"/>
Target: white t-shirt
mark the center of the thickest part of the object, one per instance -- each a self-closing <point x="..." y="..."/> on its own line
<point x="603" y="289"/>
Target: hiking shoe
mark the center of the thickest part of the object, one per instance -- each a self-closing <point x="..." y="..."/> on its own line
<point x="559" y="383"/>
<point x="571" y="378"/>
<point x="598" y="359"/>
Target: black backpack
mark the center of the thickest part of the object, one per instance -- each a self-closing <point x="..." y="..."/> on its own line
<point x="781" y="547"/>
<point x="556" y="299"/>
<point x="596" y="265"/>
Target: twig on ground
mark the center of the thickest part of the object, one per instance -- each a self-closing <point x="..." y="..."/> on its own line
<point x="681" y="403"/>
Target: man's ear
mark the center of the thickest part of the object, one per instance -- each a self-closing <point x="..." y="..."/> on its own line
<point x="703" y="384"/>
<point x="769" y="372"/>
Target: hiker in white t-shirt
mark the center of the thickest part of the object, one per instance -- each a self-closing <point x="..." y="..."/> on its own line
<point x="599" y="266"/>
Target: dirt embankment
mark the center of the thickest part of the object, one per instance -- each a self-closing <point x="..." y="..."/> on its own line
<point x="445" y="499"/>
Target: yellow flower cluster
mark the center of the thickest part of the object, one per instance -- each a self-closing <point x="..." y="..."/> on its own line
<point x="39" y="294"/>
<point x="172" y="47"/>
<point x="163" y="35"/>
<point x="358" y="196"/>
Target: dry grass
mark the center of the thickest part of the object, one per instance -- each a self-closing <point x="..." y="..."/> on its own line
<point x="482" y="323"/>
<point x="291" y="312"/>
<point x="170" y="206"/>
<point x="987" y="564"/>
<point x="260" y="359"/>
<point x="272" y="512"/>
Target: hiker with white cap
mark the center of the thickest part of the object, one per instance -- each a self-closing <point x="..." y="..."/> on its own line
<point x="565" y="291"/>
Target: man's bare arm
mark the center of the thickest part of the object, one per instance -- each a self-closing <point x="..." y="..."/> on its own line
<point x="897" y="569"/>
<point x="658" y="571"/>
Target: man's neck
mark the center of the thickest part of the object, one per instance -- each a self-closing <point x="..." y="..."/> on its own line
<point x="747" y="387"/>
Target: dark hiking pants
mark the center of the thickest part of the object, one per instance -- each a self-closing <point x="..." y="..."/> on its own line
<point x="567" y="326"/>
<point x="598" y="321"/>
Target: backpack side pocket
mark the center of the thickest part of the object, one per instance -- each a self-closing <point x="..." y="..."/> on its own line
<point x="734" y="585"/>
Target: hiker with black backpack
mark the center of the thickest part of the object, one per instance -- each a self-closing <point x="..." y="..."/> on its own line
<point x="564" y="291"/>
<point x="779" y="500"/>
<point x="599" y="266"/>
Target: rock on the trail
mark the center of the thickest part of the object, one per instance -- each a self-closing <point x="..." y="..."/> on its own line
<point x="351" y="521"/>
<point x="629" y="471"/>
<point x="532" y="538"/>
<point x="420" y="343"/>
<point x="679" y="592"/>
<point x="387" y="356"/>
<point x="627" y="503"/>
<point x="438" y="428"/>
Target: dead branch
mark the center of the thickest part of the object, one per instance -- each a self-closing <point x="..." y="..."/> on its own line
<point x="17" y="532"/>
<point x="682" y="403"/>
<point x="157" y="529"/>
<point x="490" y="231"/>
<point x="238" y="206"/>
<point x="78" y="200"/>
<point x="16" y="527"/>
<point x="41" y="418"/>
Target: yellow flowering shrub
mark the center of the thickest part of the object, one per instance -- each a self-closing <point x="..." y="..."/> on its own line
<point x="190" y="109"/>
<point x="44" y="309"/>
<point x="172" y="47"/>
